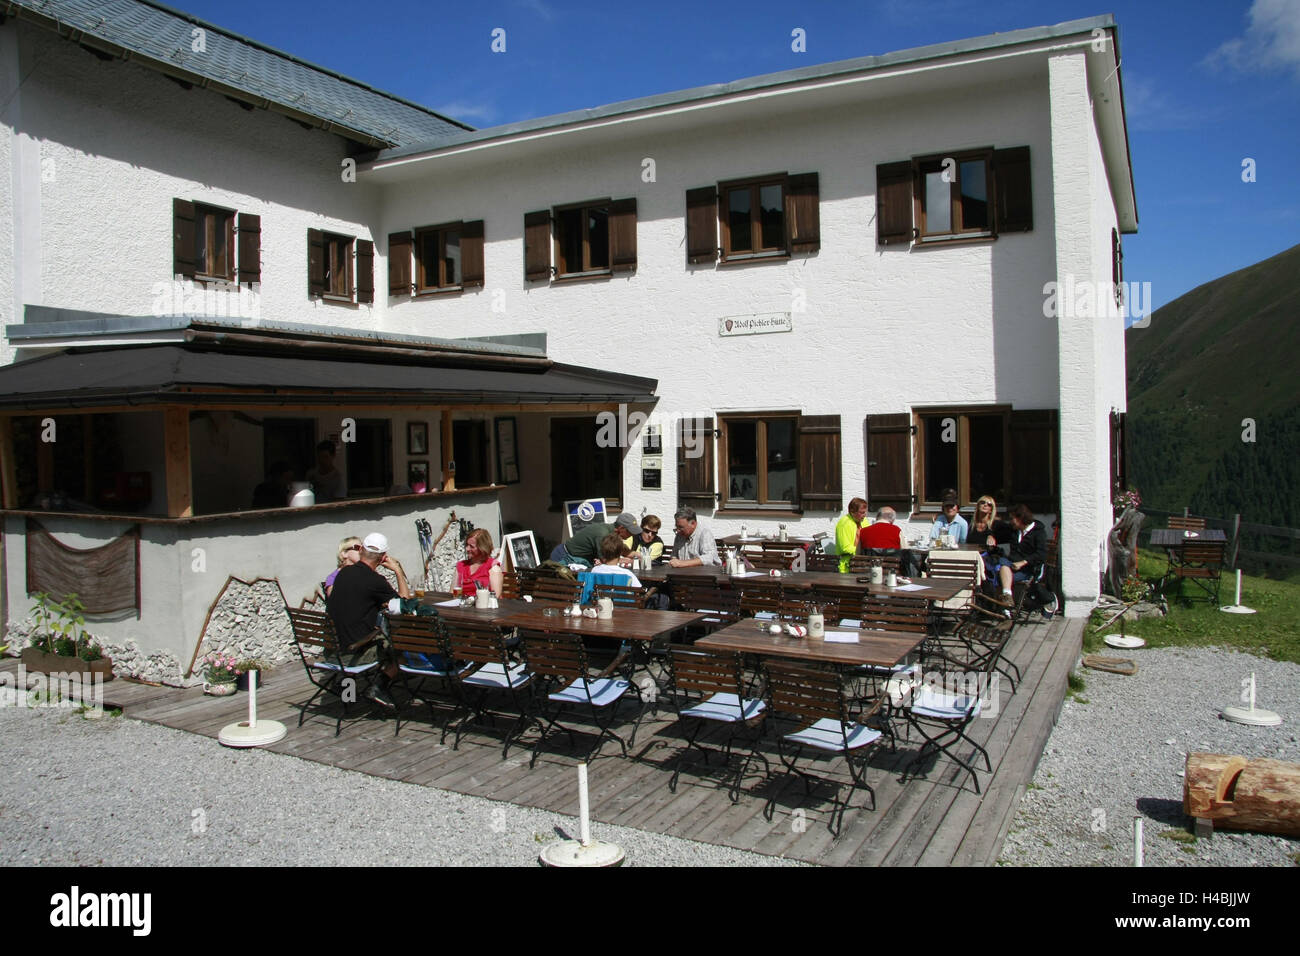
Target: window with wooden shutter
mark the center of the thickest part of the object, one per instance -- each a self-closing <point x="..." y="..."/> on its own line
<point x="954" y="193"/>
<point x="440" y="257"/>
<point x="399" y="263"/>
<point x="365" y="270"/>
<point x="622" y="235"/>
<point x="695" y="462"/>
<point x="315" y="262"/>
<point x="249" y="231"/>
<point x="803" y="215"/>
<point x="1118" y="451"/>
<point x="894" y="203"/>
<point x="537" y="245"/>
<point x="1015" y="202"/>
<point x="758" y="460"/>
<point x="1034" y="470"/>
<point x="471" y="254"/>
<point x="702" y="224"/>
<point x="752" y="219"/>
<point x="889" y="462"/>
<point x="183" y="263"/>
<point x="819" y="463"/>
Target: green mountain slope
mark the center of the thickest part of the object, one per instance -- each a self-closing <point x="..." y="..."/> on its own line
<point x="1224" y="352"/>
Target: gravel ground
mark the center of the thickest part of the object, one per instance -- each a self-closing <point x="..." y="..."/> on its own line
<point x="1122" y="755"/>
<point x="121" y="792"/>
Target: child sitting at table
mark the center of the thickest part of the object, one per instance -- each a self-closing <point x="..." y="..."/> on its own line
<point x="608" y="570"/>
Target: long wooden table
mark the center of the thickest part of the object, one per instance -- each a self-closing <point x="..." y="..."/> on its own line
<point x="874" y="648"/>
<point x="933" y="589"/>
<point x="627" y="624"/>
<point x="1175" y="537"/>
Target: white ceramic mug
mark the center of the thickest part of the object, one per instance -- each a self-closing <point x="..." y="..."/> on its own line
<point x="606" y="606"/>
<point x="816" y="625"/>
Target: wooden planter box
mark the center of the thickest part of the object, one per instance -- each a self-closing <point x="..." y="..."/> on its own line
<point x="46" y="663"/>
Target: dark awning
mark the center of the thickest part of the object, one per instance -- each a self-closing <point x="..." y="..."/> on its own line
<point x="185" y="375"/>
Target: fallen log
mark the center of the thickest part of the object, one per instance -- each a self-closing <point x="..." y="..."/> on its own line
<point x="1237" y="793"/>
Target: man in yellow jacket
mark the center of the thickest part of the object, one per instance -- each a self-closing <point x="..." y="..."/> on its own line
<point x="846" y="531"/>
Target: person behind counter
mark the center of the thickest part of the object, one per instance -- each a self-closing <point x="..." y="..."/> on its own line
<point x="274" y="492"/>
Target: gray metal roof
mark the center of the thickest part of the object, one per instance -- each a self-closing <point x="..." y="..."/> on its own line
<point x="174" y="374"/>
<point x="821" y="71"/>
<point x="161" y="38"/>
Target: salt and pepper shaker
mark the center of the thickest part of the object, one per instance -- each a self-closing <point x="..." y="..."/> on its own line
<point x="892" y="580"/>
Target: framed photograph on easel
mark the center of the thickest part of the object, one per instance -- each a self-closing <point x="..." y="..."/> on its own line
<point x="579" y="514"/>
<point x="520" y="550"/>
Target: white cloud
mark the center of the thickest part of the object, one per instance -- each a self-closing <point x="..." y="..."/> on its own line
<point x="467" y="111"/>
<point x="1148" y="107"/>
<point x="1271" y="41"/>
<point x="539" y="8"/>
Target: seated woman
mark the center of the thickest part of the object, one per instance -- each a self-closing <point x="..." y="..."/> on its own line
<point x="349" y="553"/>
<point x="986" y="528"/>
<point x="608" y="570"/>
<point x="479" y="569"/>
<point x="649" y="537"/>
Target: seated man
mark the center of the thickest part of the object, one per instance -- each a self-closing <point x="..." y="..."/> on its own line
<point x="883" y="533"/>
<point x="1028" y="553"/>
<point x="847" y="530"/>
<point x="360" y="594"/>
<point x="609" y="571"/>
<point x="584" y="547"/>
<point x="949" y="522"/>
<point x="694" y="545"/>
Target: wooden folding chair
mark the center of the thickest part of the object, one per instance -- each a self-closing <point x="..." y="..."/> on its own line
<point x="491" y="670"/>
<point x="327" y="665"/>
<point x="1201" y="563"/>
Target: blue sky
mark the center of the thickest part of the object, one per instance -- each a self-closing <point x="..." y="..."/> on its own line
<point x="1208" y="83"/>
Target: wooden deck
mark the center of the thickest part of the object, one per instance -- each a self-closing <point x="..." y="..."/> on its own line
<point x="934" y="817"/>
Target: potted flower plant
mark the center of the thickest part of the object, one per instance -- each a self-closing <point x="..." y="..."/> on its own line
<point x="219" y="675"/>
<point x="61" y="643"/>
<point x="246" y="667"/>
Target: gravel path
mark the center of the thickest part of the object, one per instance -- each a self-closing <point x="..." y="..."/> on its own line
<point x="121" y="792"/>
<point x="1122" y="754"/>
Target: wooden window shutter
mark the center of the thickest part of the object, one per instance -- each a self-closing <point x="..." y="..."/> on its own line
<point x="365" y="271"/>
<point x="471" y="254"/>
<point x="315" y="262"/>
<point x="702" y="224"/>
<point x="183" y="244"/>
<point x="889" y="462"/>
<point x="894" y="203"/>
<point x="802" y="215"/>
<point x="1034" y="472"/>
<point x="695" y="475"/>
<point x="819" y="463"/>
<point x="622" y="235"/>
<point x="399" y="263"/>
<point x="1118" y="451"/>
<point x="1015" y="203"/>
<point x="537" y="245"/>
<point x="250" y="248"/>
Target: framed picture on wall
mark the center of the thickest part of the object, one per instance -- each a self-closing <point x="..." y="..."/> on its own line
<point x="417" y="476"/>
<point x="507" y="452"/>
<point x="521" y="550"/>
<point x="417" y="438"/>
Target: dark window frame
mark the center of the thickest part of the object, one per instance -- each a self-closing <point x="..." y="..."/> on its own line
<point x="422" y="285"/>
<point x="203" y="272"/>
<point x="338" y="249"/>
<point x="966" y="496"/>
<point x="559" y="267"/>
<point x="754" y="184"/>
<point x="761" y="500"/>
<point x="958" y="231"/>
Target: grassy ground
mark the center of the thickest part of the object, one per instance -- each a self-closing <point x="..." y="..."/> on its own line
<point x="1273" y="632"/>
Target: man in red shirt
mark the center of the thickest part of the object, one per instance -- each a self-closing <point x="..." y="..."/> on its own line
<point x="883" y="533"/>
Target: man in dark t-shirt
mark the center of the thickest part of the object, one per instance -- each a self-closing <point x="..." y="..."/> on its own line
<point x="359" y="595"/>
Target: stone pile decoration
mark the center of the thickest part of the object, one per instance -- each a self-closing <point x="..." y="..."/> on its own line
<point x="247" y="619"/>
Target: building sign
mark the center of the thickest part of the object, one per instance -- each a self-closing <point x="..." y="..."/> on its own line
<point x="755" y="324"/>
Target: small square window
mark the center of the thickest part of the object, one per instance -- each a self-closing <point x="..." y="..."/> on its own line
<point x="954" y="199"/>
<point x="338" y="265"/>
<point x="753" y="221"/>
<point x="582" y="240"/>
<point x="760" y="464"/>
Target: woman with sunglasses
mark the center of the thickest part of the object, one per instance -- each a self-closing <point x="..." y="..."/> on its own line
<point x="349" y="553"/>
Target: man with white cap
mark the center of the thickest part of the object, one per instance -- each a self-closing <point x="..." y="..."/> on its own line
<point x="359" y="595"/>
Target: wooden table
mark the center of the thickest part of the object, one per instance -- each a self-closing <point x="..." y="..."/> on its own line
<point x="874" y="648"/>
<point x="627" y="624"/>
<point x="473" y="614"/>
<point x="735" y="540"/>
<point x="935" y="589"/>
<point x="1174" y="537"/>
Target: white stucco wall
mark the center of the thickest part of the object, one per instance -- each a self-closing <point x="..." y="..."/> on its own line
<point x="117" y="143"/>
<point x="868" y="311"/>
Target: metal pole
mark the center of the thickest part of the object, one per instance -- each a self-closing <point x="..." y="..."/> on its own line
<point x="1137" y="841"/>
<point x="584" y="822"/>
<point x="252" y="698"/>
<point x="1236" y="542"/>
